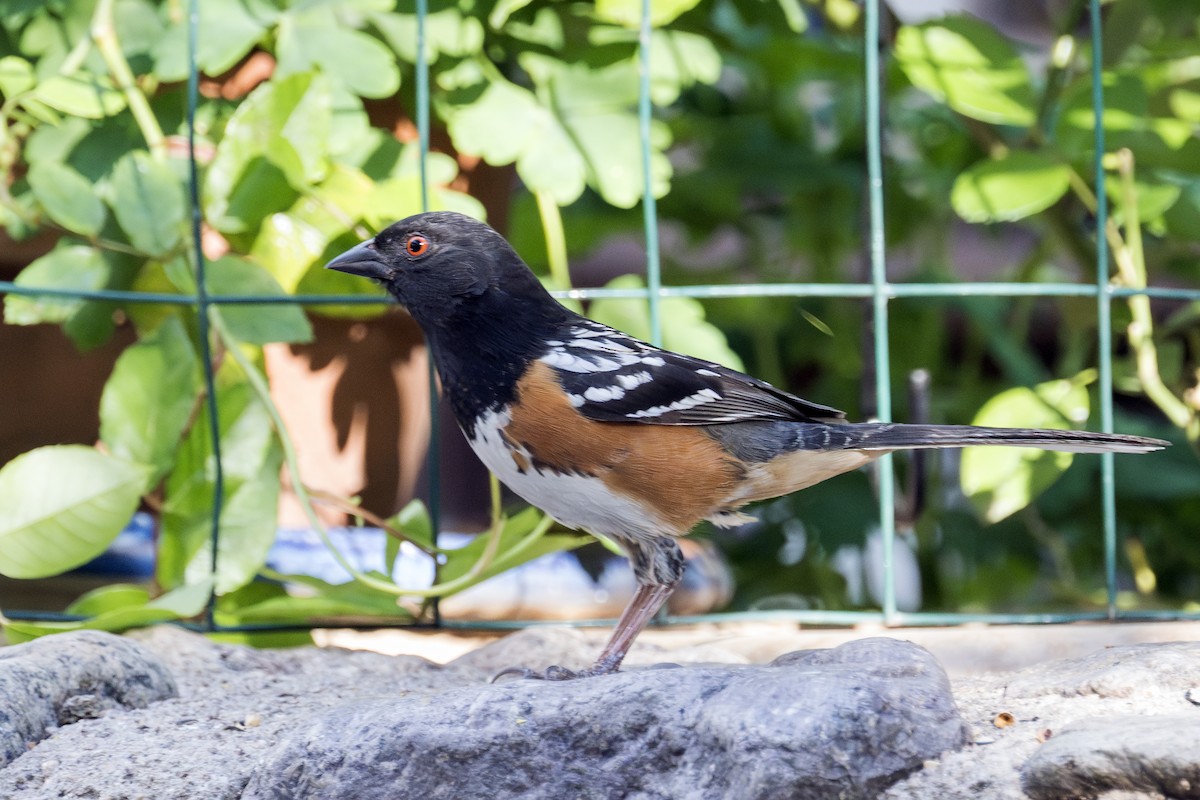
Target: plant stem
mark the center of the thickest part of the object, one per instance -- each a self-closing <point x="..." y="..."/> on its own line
<point x="348" y="506"/>
<point x="556" y="240"/>
<point x="104" y="33"/>
<point x="1131" y="267"/>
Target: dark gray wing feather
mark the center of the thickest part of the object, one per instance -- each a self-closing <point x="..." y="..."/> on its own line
<point x="611" y="377"/>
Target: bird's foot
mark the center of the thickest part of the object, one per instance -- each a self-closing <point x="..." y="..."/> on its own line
<point x="552" y="673"/>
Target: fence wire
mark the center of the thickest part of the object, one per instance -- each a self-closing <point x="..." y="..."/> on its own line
<point x="878" y="290"/>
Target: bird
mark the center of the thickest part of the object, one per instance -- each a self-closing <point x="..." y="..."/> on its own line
<point x="612" y="435"/>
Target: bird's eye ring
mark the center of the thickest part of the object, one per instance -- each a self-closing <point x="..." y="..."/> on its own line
<point x="416" y="245"/>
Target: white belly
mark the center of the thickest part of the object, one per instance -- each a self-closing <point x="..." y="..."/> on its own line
<point x="577" y="501"/>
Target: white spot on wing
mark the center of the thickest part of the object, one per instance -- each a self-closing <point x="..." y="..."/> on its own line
<point x="564" y="360"/>
<point x="653" y="361"/>
<point x="635" y="380"/>
<point x="683" y="404"/>
<point x="602" y="394"/>
<point x="606" y="345"/>
<point x="708" y="372"/>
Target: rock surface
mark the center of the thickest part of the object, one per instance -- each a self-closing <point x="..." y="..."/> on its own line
<point x="864" y="719"/>
<point x="1153" y="753"/>
<point x="841" y="723"/>
<point x="55" y="682"/>
<point x="1038" y="732"/>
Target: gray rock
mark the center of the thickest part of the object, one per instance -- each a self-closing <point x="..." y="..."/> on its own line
<point x="60" y="680"/>
<point x="234" y="704"/>
<point x="1118" y="672"/>
<point x="842" y="723"/>
<point x="1157" y="753"/>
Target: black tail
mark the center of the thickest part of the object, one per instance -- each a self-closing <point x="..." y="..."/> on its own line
<point x="900" y="436"/>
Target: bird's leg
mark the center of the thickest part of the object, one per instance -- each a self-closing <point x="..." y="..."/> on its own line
<point x="658" y="566"/>
<point x="646" y="602"/>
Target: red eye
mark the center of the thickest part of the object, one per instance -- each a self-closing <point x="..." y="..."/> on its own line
<point x="416" y="245"/>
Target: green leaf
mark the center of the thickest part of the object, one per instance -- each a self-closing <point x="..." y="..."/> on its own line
<point x="248" y="526"/>
<point x="256" y="324"/>
<point x="228" y="29"/>
<point x="303" y="609"/>
<point x="150" y="396"/>
<point x="61" y="507"/>
<point x="473" y="125"/>
<point x="291" y="243"/>
<point x="415" y="523"/>
<point x="1153" y="199"/>
<point x="999" y="481"/>
<point x="147" y="199"/>
<point x="109" y="598"/>
<point x="185" y="601"/>
<point x="683" y="325"/>
<point x="579" y="130"/>
<point x="503" y="10"/>
<point x="250" y="457"/>
<point x="448" y="31"/>
<point x="287" y="247"/>
<point x="358" y="62"/>
<point x="65" y="267"/>
<point x="16" y="76"/>
<point x="68" y="198"/>
<point x="965" y="63"/>
<point x="678" y="61"/>
<point x="121" y="607"/>
<point x="81" y="95"/>
<point x="629" y="12"/>
<point x="1009" y="188"/>
<point x="282" y="126"/>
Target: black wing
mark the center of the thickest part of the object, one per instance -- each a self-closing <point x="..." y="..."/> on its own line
<point x="612" y="377"/>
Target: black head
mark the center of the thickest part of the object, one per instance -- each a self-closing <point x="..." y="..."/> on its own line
<point x="441" y="264"/>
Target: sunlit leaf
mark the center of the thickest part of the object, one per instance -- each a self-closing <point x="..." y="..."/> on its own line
<point x="447" y="31"/>
<point x="150" y="396"/>
<point x="1009" y="188"/>
<point x="963" y="62"/>
<point x="109" y="598"/>
<point x="415" y="523"/>
<point x="147" y="199"/>
<point x="278" y="137"/>
<point x="65" y="267"/>
<point x="1000" y="481"/>
<point x="81" y="94"/>
<point x="313" y="37"/>
<point x="629" y="12"/>
<point x="61" y="506"/>
<point x="68" y="198"/>
<point x="250" y="457"/>
<point x="118" y="608"/>
<point x="256" y="324"/>
<point x="16" y="76"/>
<point x="227" y="30"/>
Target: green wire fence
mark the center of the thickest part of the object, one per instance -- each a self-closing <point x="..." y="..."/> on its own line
<point x="879" y="291"/>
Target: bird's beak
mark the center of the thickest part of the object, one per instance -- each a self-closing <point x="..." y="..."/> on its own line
<point x="363" y="260"/>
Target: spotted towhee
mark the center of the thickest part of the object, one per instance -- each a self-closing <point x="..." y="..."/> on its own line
<point x="612" y="435"/>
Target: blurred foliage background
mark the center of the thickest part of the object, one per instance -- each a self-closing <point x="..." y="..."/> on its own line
<point x="306" y="143"/>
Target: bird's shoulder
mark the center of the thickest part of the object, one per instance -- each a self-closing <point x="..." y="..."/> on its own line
<point x="610" y="376"/>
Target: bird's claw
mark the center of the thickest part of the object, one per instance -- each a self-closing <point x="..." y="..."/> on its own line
<point x="524" y="673"/>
